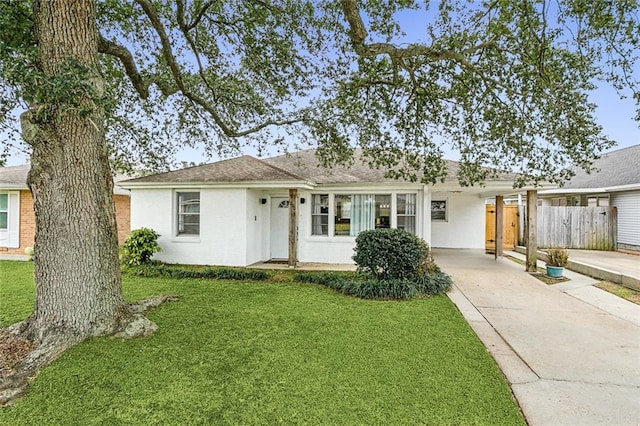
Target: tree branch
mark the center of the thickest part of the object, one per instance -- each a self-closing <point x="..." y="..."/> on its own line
<point x="176" y="73"/>
<point x="122" y="53"/>
<point x="141" y="85"/>
<point x="358" y="34"/>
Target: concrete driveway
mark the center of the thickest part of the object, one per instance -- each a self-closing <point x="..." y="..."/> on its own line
<point x="569" y="361"/>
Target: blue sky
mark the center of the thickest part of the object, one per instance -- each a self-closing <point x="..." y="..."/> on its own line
<point x="615" y="115"/>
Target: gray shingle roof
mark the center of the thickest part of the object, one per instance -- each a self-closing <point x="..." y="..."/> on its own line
<point x="297" y="166"/>
<point x="240" y="169"/>
<point x="620" y="167"/>
<point x="14" y="175"/>
<point x="304" y="163"/>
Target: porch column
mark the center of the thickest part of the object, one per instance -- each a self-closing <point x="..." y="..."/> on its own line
<point x="532" y="231"/>
<point x="293" y="227"/>
<point x="499" y="221"/>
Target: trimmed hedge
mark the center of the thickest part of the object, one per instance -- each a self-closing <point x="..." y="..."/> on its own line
<point x="172" y="271"/>
<point x="371" y="288"/>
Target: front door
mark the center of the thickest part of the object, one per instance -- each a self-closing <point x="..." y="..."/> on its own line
<point x="279" y="228"/>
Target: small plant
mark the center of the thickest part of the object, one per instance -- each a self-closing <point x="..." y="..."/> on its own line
<point x="558" y="256"/>
<point x="140" y="245"/>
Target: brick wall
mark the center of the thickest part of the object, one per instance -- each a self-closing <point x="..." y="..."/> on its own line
<point x="28" y="221"/>
<point x="123" y="216"/>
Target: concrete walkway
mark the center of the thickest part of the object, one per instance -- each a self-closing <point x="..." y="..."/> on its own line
<point x="570" y="360"/>
<point x="615" y="266"/>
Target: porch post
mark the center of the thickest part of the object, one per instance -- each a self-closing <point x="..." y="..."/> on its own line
<point x="499" y="221"/>
<point x="293" y="227"/>
<point x="532" y="231"/>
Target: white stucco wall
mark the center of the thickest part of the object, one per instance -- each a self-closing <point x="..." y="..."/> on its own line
<point x="339" y="249"/>
<point x="223" y="226"/>
<point x="235" y="226"/>
<point x="465" y="223"/>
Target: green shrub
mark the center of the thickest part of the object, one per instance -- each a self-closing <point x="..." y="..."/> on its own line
<point x="432" y="284"/>
<point x="389" y="253"/>
<point x="364" y="288"/>
<point x="323" y="278"/>
<point x="154" y="269"/>
<point x="427" y="264"/>
<point x="139" y="246"/>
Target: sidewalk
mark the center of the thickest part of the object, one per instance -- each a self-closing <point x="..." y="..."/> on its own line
<point x="618" y="267"/>
<point x="569" y="361"/>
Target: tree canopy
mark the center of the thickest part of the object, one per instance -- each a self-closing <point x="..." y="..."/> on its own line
<point x="503" y="82"/>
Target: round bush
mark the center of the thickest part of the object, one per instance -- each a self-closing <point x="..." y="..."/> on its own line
<point x="389" y="253"/>
<point x="139" y="246"/>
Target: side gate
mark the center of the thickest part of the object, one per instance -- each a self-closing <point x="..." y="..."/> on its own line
<point x="509" y="227"/>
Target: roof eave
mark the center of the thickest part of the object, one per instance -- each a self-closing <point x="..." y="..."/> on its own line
<point x="220" y="185"/>
<point x="13" y="186"/>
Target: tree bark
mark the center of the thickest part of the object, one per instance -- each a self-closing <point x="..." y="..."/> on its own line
<point x="77" y="274"/>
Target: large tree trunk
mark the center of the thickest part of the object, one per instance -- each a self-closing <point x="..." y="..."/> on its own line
<point x="77" y="275"/>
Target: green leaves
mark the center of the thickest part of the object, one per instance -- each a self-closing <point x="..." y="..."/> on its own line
<point x="505" y="84"/>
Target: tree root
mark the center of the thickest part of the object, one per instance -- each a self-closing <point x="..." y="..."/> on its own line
<point x="21" y="357"/>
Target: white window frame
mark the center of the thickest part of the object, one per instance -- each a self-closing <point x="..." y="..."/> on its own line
<point x="314" y="214"/>
<point x="10" y="237"/>
<point x="177" y="214"/>
<point x="446" y="210"/>
<point x="393" y="211"/>
<point x="6" y="211"/>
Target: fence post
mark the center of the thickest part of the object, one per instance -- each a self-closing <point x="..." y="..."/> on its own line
<point x="532" y="231"/>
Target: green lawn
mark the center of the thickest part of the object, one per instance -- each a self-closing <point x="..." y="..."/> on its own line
<point x="266" y="353"/>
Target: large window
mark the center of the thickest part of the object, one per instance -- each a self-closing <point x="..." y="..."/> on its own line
<point x="4" y="211"/>
<point x="188" y="213"/>
<point x="320" y="214"/>
<point x="354" y="213"/>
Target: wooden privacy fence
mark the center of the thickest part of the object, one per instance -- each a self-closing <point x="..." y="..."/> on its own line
<point x="591" y="228"/>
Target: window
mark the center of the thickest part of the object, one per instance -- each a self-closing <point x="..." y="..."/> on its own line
<point x="320" y="214"/>
<point x="439" y="210"/>
<point x="4" y="211"/>
<point x="406" y="210"/>
<point x="10" y="219"/>
<point x="382" y="211"/>
<point x="188" y="213"/>
<point x="342" y="212"/>
<point x="354" y="213"/>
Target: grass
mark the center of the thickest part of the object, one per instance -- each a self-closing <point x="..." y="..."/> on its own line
<point x="620" y="291"/>
<point x="266" y="353"/>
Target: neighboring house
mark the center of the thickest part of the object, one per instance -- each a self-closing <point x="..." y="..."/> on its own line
<point x="17" y="218"/>
<point x="238" y="212"/>
<point x="616" y="183"/>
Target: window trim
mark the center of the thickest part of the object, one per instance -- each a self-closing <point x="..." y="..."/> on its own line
<point x="320" y="215"/>
<point x="10" y="236"/>
<point x="446" y="210"/>
<point x="393" y="219"/>
<point x="6" y="211"/>
<point x="176" y="213"/>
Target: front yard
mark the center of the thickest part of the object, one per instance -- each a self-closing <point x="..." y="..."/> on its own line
<point x="264" y="353"/>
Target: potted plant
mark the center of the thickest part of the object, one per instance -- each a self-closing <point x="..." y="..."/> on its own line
<point x="558" y="259"/>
